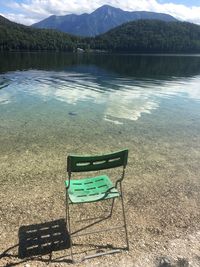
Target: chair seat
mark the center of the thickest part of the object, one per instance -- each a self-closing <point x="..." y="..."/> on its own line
<point x="91" y="189"/>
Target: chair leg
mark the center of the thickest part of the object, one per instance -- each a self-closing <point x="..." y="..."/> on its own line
<point x="69" y="226"/>
<point x="110" y="215"/>
<point x="124" y="217"/>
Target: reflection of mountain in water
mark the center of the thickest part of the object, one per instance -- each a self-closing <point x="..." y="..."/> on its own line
<point x="120" y="97"/>
<point x="159" y="66"/>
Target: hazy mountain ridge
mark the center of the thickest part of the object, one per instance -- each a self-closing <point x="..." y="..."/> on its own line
<point x="99" y="21"/>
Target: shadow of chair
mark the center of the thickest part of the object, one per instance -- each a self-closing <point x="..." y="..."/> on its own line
<point x="37" y="242"/>
<point x="42" y="239"/>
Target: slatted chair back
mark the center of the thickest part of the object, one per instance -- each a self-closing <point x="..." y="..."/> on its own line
<point x="95" y="163"/>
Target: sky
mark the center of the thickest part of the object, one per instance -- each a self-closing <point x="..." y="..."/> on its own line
<point x="31" y="11"/>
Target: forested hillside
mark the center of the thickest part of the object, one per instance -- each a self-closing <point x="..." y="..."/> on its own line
<point x="142" y="36"/>
<point x="150" y="36"/>
<point x="15" y="36"/>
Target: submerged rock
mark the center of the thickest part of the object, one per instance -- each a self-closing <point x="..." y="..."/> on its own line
<point x="72" y="113"/>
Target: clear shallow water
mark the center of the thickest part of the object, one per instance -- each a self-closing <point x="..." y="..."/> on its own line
<point x="65" y="96"/>
<point x="119" y="98"/>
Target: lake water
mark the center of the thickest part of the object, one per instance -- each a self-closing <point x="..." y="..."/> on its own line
<point x="53" y="104"/>
<point x="104" y="101"/>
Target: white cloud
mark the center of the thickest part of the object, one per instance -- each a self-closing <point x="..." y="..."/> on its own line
<point x="19" y="18"/>
<point x="31" y="11"/>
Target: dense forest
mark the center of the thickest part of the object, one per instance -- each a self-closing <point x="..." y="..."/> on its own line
<point x="15" y="36"/>
<point x="150" y="36"/>
<point x="142" y="36"/>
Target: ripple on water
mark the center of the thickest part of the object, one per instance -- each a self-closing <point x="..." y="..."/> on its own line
<point x="120" y="97"/>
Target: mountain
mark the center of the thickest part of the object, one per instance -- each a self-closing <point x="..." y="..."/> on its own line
<point x="98" y="22"/>
<point x="4" y="21"/>
<point x="15" y="36"/>
<point x="140" y="36"/>
<point x="150" y="36"/>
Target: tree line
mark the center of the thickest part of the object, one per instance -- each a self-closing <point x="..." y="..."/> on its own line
<point x="142" y="36"/>
<point x="15" y="36"/>
<point x="151" y="36"/>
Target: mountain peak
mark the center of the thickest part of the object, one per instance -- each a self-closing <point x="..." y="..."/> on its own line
<point x="99" y="21"/>
<point x="105" y="9"/>
<point x="106" y="6"/>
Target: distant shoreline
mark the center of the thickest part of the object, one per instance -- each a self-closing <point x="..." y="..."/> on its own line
<point x="104" y="53"/>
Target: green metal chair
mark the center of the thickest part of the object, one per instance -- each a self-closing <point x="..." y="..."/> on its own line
<point x="93" y="189"/>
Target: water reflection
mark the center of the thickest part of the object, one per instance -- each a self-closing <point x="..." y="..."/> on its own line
<point x="133" y="100"/>
<point x="145" y="66"/>
<point x="119" y="97"/>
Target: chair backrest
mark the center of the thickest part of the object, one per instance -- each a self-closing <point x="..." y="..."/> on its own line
<point x="95" y="163"/>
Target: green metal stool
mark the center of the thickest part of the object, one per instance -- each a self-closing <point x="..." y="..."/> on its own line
<point x="95" y="189"/>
